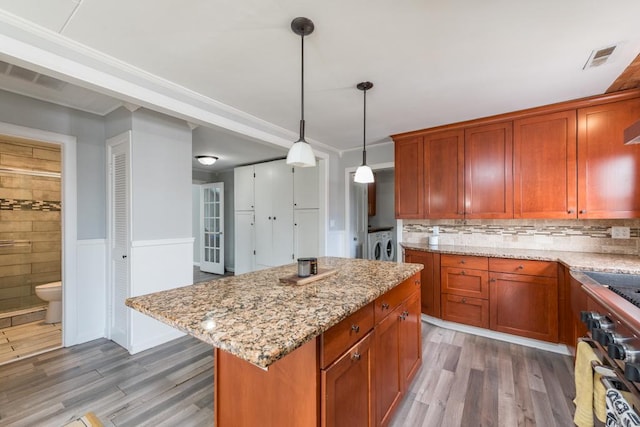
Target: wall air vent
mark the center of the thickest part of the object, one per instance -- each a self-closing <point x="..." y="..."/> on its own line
<point x="26" y="75"/>
<point x="599" y="57"/>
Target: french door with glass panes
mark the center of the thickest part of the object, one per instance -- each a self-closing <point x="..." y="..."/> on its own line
<point x="212" y="228"/>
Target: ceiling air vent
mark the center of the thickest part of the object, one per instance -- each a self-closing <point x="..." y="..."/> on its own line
<point x="599" y="57"/>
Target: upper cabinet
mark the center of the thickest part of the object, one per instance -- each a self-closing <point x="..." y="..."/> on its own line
<point x="488" y="169"/>
<point x="544" y="166"/>
<point x="243" y="188"/>
<point x="561" y="161"/>
<point x="608" y="170"/>
<point x="408" y="175"/>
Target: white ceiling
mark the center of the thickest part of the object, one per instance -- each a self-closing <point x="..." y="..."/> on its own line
<point x="432" y="62"/>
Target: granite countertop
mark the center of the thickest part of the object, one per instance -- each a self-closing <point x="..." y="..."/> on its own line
<point x="257" y="318"/>
<point x="611" y="263"/>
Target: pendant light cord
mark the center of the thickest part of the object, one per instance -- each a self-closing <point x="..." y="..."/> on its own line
<point x="364" y="130"/>
<point x="302" y="90"/>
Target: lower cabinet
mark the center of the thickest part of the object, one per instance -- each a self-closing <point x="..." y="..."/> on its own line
<point x="348" y="387"/>
<point x="430" y="278"/>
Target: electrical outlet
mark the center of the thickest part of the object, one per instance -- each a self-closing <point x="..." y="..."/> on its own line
<point x="620" y="232"/>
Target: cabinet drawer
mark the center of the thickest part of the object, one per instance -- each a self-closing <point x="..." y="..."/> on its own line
<point x="465" y="282"/>
<point x="518" y="266"/>
<point x="388" y="302"/>
<point x="470" y="311"/>
<point x="342" y="336"/>
<point x="464" y="261"/>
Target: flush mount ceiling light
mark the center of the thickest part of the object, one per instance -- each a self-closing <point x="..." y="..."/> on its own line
<point x="206" y="160"/>
<point x="300" y="154"/>
<point x="364" y="174"/>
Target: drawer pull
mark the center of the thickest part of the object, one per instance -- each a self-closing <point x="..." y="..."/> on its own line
<point x="356" y="356"/>
<point x="464" y="300"/>
<point x="570" y="211"/>
<point x="417" y="282"/>
<point x="402" y="316"/>
<point x="462" y="261"/>
<point x="521" y="267"/>
<point x="405" y="313"/>
<point x="385" y="306"/>
<point x="355" y="328"/>
<point x="462" y="273"/>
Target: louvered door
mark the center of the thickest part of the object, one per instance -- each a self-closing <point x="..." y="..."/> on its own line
<point x="119" y="237"/>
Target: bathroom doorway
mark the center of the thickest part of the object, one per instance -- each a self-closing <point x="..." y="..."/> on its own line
<point x="30" y="246"/>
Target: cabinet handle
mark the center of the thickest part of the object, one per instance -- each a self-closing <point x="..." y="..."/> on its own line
<point x="464" y="300"/>
<point x="356" y="356"/>
<point x="402" y="316"/>
<point x="385" y="306"/>
<point x="274" y="218"/>
<point x="492" y="280"/>
<point x="582" y="211"/>
<point x="269" y="218"/>
<point x="417" y="282"/>
<point x="462" y="262"/>
<point x="355" y="328"/>
<point x="570" y="211"/>
<point x="520" y="267"/>
<point x="462" y="272"/>
<point x="405" y="313"/>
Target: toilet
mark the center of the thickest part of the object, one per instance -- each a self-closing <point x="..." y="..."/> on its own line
<point x="51" y="292"/>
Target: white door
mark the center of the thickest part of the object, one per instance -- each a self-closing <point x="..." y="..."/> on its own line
<point x="306" y="234"/>
<point x="244" y="250"/>
<point x="212" y="228"/>
<point x="119" y="149"/>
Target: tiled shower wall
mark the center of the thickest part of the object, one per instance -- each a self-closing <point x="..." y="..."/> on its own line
<point x="561" y="235"/>
<point x="30" y="222"/>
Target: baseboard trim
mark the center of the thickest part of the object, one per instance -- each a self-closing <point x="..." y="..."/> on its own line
<point x="513" y="339"/>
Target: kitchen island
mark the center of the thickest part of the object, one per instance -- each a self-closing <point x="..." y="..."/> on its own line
<point x="297" y="354"/>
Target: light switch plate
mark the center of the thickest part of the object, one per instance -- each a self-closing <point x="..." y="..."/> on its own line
<point x="620" y="232"/>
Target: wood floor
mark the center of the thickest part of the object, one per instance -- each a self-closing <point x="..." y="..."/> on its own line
<point x="464" y="381"/>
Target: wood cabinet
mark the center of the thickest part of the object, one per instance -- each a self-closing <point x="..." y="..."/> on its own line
<point x="348" y="386"/>
<point x="608" y="170"/>
<point x="525" y="164"/>
<point x="398" y="348"/>
<point x="524" y="303"/>
<point x="488" y="171"/>
<point x="443" y="184"/>
<point x="465" y="289"/>
<point x="430" y="279"/>
<point x="409" y="168"/>
<point x="354" y="374"/>
<point x="544" y="166"/>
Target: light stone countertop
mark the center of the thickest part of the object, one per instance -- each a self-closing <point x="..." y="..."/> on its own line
<point x="257" y="318"/>
<point x="610" y="263"/>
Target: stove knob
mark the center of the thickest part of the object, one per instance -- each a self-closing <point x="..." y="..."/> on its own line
<point x="600" y="335"/>
<point x="616" y="351"/>
<point x="586" y="316"/>
<point x="632" y="372"/>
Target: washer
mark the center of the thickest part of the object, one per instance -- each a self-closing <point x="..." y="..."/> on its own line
<point x="388" y="246"/>
<point x="376" y="248"/>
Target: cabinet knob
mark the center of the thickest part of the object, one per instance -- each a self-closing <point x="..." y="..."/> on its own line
<point x="462" y="272"/>
<point x="492" y="280"/>
<point x="417" y="282"/>
<point x="385" y="306"/>
<point x="582" y="211"/>
<point x="462" y="261"/>
<point x="356" y="356"/>
<point x="464" y="300"/>
<point x="521" y="267"/>
<point x="274" y="218"/>
<point x="570" y="211"/>
<point x="269" y="217"/>
<point x="355" y="328"/>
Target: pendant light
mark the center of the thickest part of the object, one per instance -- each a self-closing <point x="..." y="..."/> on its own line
<point x="364" y="174"/>
<point x="300" y="154"/>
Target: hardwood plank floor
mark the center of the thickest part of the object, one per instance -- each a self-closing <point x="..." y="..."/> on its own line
<point x="17" y="342"/>
<point x="464" y="381"/>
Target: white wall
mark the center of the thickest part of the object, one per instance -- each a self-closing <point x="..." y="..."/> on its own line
<point x="195" y="222"/>
<point x="385" y="203"/>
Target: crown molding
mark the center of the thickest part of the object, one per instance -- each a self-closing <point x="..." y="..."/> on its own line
<point x="43" y="50"/>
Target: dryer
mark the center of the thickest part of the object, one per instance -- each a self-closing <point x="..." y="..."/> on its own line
<point x="388" y="246"/>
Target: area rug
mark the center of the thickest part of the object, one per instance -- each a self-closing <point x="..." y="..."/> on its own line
<point x="87" y="420"/>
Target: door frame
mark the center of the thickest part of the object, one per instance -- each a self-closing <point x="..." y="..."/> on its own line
<point x="69" y="221"/>
<point x="347" y="199"/>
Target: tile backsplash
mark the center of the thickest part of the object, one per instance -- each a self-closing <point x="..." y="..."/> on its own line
<point x="562" y="235"/>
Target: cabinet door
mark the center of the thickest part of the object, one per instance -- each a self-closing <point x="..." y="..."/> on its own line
<point x="467" y="310"/>
<point x="408" y="178"/>
<point x="282" y="207"/>
<point x="306" y="188"/>
<point x="244" y="257"/>
<point x="524" y="305"/>
<point x="608" y="170"/>
<point x="410" y="340"/>
<point x="305" y="233"/>
<point x="444" y="174"/>
<point x="488" y="164"/>
<point x="243" y="188"/>
<point x="347" y="388"/>
<point x="544" y="156"/>
<point x="388" y="373"/>
<point x="430" y="287"/>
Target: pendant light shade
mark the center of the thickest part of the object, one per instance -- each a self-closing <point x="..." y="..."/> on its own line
<point x="364" y="174"/>
<point x="300" y="154"/>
